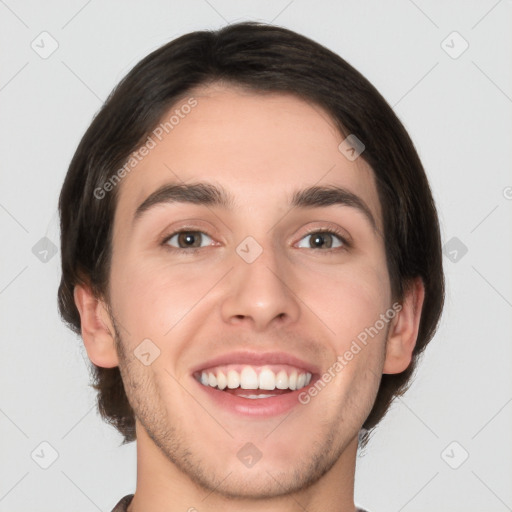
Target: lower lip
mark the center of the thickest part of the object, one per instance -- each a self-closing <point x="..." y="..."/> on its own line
<point x="255" y="407"/>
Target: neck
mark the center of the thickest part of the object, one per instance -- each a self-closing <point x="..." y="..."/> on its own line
<point x="162" y="486"/>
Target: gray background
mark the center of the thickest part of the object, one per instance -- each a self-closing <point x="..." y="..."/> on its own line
<point x="458" y="112"/>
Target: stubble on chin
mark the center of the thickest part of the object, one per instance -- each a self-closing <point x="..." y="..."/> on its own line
<point x="179" y="449"/>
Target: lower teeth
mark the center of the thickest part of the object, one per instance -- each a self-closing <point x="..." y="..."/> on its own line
<point x="256" y="396"/>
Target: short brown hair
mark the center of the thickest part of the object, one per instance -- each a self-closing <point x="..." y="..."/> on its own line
<point x="259" y="57"/>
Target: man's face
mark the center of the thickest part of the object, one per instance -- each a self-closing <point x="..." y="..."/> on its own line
<point x="258" y="284"/>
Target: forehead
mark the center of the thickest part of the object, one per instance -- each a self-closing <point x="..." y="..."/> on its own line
<point x="259" y="147"/>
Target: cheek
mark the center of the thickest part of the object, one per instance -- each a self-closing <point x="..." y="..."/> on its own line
<point x="350" y="297"/>
<point x="151" y="299"/>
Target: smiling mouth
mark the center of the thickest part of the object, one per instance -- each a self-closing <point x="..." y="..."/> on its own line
<point x="254" y="382"/>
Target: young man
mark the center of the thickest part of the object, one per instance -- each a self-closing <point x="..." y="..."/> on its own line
<point x="251" y="254"/>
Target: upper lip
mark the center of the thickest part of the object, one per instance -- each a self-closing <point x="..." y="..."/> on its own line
<point x="257" y="359"/>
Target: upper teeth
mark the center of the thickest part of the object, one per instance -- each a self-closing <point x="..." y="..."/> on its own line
<point x="248" y="378"/>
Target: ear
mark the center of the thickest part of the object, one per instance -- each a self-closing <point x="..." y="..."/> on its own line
<point x="97" y="328"/>
<point x="403" y="332"/>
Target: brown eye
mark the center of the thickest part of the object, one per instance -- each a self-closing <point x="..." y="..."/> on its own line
<point x="187" y="239"/>
<point x="325" y="239"/>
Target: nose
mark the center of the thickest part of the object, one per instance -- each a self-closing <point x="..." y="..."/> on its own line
<point x="260" y="293"/>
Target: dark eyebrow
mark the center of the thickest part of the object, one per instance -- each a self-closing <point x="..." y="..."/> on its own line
<point x="317" y="197"/>
<point x="214" y="195"/>
<point x="195" y="193"/>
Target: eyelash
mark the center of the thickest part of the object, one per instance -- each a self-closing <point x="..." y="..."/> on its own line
<point x="193" y="250"/>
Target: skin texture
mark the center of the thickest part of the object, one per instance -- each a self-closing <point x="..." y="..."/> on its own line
<point x="296" y="297"/>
